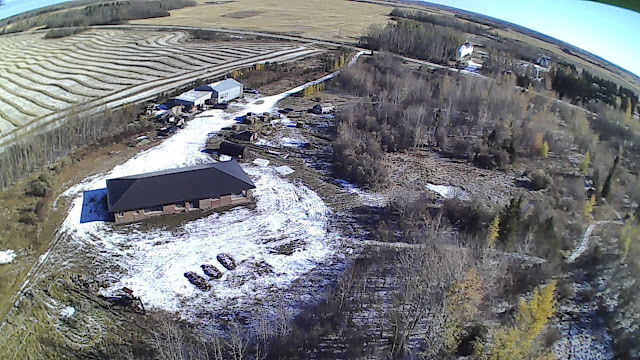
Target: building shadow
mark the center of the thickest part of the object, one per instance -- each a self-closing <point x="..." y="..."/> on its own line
<point x="94" y="206"/>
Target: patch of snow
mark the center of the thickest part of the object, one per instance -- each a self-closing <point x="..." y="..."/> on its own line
<point x="263" y="142"/>
<point x="448" y="192"/>
<point x="225" y="158"/>
<point x="68" y="312"/>
<point x="261" y="162"/>
<point x="291" y="142"/>
<point x="368" y="198"/>
<point x="7" y="256"/>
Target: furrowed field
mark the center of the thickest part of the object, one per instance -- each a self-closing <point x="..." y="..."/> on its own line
<point x="41" y="78"/>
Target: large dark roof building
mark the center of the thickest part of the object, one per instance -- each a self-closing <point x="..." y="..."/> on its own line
<point x="206" y="186"/>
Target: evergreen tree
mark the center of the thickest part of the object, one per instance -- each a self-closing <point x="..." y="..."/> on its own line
<point x="510" y="219"/>
<point x="606" y="188"/>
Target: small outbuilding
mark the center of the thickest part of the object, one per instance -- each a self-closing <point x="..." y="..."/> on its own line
<point x="223" y="91"/>
<point x="193" y="99"/>
<point x="246" y="135"/>
<point x="234" y="150"/>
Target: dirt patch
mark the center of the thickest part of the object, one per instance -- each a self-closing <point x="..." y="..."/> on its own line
<point x="243" y="14"/>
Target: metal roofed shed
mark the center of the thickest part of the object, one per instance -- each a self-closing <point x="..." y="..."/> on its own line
<point x="193" y="98"/>
<point x="136" y="197"/>
<point x="223" y="91"/>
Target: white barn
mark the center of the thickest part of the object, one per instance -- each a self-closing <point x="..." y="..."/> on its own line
<point x="223" y="91"/>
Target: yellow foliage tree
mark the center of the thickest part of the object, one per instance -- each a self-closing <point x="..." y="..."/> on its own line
<point x="628" y="235"/>
<point x="515" y="342"/>
<point x="463" y="299"/>
<point x="588" y="207"/>
<point x="494" y="232"/>
<point x="544" y="150"/>
<point x="584" y="165"/>
<point x="627" y="114"/>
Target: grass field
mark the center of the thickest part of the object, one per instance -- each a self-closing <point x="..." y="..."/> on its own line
<point x="324" y="19"/>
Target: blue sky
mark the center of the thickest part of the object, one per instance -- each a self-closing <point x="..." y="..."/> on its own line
<point x="607" y="31"/>
<point x="604" y="30"/>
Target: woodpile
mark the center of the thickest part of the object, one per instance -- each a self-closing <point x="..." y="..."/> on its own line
<point x="198" y="281"/>
<point x="227" y="261"/>
<point x="211" y="271"/>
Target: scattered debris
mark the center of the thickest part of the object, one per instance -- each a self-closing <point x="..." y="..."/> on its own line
<point x="124" y="298"/>
<point x="211" y="271"/>
<point x="261" y="162"/>
<point x="325" y="108"/>
<point x="198" y="281"/>
<point x="227" y="261"/>
<point x="284" y="170"/>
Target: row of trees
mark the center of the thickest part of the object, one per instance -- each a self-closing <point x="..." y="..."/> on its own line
<point x="30" y="154"/>
<point x="446" y="21"/>
<point x="583" y="87"/>
<point x="408" y="38"/>
<point x="114" y="12"/>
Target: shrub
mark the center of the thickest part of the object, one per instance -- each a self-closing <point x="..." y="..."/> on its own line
<point x="540" y="181"/>
<point x="63" y="32"/>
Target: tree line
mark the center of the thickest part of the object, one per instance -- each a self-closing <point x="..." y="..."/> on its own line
<point x="101" y="13"/>
<point x="409" y="38"/>
<point x="446" y="21"/>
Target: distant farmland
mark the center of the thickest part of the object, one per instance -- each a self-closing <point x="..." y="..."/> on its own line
<point x="40" y="78"/>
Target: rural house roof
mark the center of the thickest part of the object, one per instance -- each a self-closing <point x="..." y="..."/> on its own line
<point x="172" y="186"/>
<point x="193" y="96"/>
<point x="223" y="85"/>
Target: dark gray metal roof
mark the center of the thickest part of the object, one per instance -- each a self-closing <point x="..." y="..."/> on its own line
<point x="176" y="185"/>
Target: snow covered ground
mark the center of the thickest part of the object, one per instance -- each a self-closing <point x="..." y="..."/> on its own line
<point x="368" y="198"/>
<point x="7" y="256"/>
<point x="448" y="192"/>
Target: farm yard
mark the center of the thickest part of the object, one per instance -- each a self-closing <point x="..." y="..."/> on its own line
<point x="43" y="78"/>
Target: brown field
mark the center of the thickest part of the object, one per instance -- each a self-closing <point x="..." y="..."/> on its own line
<point x="323" y="19"/>
<point x="336" y="20"/>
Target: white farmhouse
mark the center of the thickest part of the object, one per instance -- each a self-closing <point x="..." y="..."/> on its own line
<point x="465" y="49"/>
